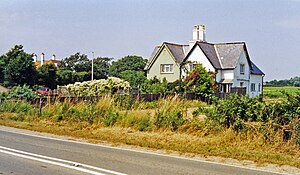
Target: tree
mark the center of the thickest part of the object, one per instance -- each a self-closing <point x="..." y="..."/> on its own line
<point x="47" y="75"/>
<point x="200" y="81"/>
<point x="101" y="67"/>
<point x="65" y="77"/>
<point x="77" y="63"/>
<point x="134" y="63"/>
<point x="135" y="78"/>
<point x="17" y="67"/>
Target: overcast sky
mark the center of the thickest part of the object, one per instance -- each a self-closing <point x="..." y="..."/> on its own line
<point x="270" y="28"/>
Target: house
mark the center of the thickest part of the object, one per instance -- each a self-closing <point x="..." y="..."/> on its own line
<point x="43" y="61"/>
<point x="230" y="62"/>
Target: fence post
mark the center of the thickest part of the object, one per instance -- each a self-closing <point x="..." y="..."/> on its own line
<point x="40" y="106"/>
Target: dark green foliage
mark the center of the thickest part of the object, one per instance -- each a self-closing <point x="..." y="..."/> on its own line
<point x="17" y="67"/>
<point x="236" y="111"/>
<point x="172" y="120"/>
<point x="154" y="85"/>
<point x="77" y="63"/>
<point x="65" y="77"/>
<point x="78" y="68"/>
<point x="81" y="76"/>
<point x="295" y="81"/>
<point x="47" y="75"/>
<point x="101" y="67"/>
<point x="135" y="78"/>
<point x="134" y="63"/>
<point x="110" y="118"/>
<point x="144" y="124"/>
<point x="200" y="81"/>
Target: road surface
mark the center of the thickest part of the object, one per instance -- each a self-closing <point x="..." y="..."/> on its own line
<point x="31" y="154"/>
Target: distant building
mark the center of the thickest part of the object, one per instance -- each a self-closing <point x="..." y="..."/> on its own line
<point x="229" y="61"/>
<point x="43" y="61"/>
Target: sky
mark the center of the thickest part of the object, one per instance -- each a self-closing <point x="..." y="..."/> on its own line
<point x="117" y="28"/>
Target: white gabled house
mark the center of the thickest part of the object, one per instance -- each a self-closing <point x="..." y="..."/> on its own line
<point x="229" y="61"/>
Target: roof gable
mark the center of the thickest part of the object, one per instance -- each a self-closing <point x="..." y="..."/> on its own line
<point x="177" y="52"/>
<point x="229" y="54"/>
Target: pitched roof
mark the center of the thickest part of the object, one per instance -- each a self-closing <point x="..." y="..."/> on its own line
<point x="156" y="49"/>
<point x="177" y="50"/>
<point x="255" y="70"/>
<point x="210" y="52"/>
<point x="229" y="54"/>
<point x="221" y="55"/>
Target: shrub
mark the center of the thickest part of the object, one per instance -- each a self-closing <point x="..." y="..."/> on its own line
<point x="170" y="113"/>
<point x="98" y="87"/>
<point x="24" y="92"/>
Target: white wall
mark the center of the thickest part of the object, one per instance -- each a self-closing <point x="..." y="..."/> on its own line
<point x="257" y="80"/>
<point x="197" y="56"/>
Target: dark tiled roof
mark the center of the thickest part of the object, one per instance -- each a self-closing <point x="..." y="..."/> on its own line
<point x="256" y="70"/>
<point x="152" y="56"/>
<point x="229" y="54"/>
<point x="178" y="51"/>
<point x="210" y="52"/>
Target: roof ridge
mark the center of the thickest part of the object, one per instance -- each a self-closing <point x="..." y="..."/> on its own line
<point x="238" y="42"/>
<point x="175" y="44"/>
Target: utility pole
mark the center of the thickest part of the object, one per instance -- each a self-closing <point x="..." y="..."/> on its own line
<point x="93" y="67"/>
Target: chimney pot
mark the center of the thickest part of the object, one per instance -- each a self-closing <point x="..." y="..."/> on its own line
<point x="53" y="57"/>
<point x="42" y="58"/>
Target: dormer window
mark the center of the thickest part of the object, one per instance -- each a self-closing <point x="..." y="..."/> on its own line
<point x="242" y="68"/>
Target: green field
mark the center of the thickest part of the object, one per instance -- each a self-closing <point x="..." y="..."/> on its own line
<point x="278" y="92"/>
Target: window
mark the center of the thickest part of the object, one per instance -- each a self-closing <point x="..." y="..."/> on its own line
<point x="166" y="68"/>
<point x="241" y="84"/>
<point x="258" y="87"/>
<point x="252" y="87"/>
<point x="192" y="66"/>
<point x="242" y="68"/>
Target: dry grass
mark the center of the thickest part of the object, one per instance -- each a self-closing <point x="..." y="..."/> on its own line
<point x="245" y="146"/>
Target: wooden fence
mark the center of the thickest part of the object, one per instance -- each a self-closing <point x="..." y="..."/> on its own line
<point x="140" y="97"/>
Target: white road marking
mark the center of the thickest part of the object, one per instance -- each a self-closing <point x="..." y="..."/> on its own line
<point x="2" y="128"/>
<point x="56" y="161"/>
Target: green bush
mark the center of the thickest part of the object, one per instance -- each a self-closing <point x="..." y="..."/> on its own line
<point x="23" y="92"/>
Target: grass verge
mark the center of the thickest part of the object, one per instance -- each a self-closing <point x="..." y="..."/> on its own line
<point x="227" y="143"/>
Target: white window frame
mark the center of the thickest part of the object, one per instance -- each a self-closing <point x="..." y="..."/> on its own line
<point x="252" y="87"/>
<point x="242" y="68"/>
<point x="166" y="68"/>
<point x="259" y="87"/>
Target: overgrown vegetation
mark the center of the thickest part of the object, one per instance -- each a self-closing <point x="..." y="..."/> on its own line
<point x="238" y="127"/>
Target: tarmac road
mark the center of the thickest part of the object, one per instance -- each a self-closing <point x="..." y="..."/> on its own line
<point x="23" y="153"/>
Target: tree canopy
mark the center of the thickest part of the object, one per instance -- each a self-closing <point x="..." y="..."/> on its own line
<point x="17" y="68"/>
<point x="134" y="63"/>
<point x="295" y="81"/>
<point x="47" y="75"/>
<point x="77" y="63"/>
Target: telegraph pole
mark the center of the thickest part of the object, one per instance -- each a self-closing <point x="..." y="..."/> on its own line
<point x="93" y="67"/>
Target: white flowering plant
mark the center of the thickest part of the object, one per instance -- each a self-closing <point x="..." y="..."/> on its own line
<point x="98" y="87"/>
